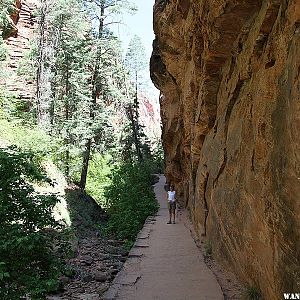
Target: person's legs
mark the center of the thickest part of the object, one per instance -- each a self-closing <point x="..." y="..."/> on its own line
<point x="174" y="212"/>
<point x="170" y="213"/>
<point x="170" y="216"/>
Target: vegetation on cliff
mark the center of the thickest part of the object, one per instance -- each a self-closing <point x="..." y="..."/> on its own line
<point x="7" y="27"/>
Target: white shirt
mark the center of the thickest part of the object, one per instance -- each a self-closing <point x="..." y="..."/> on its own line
<point x="171" y="196"/>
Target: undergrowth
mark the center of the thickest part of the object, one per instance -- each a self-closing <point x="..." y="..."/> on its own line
<point x="27" y="263"/>
<point x="130" y="200"/>
<point x="252" y="293"/>
<point x="208" y="249"/>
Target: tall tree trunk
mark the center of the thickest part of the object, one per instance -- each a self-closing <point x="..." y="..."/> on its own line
<point x="67" y="164"/>
<point x="135" y="133"/>
<point x="85" y="164"/>
<point x="136" y="97"/>
<point x="136" y="125"/>
<point x="67" y="116"/>
<point x="132" y="113"/>
<point x="51" y="112"/>
<point x="40" y="61"/>
<point x="87" y="152"/>
<point x="52" y="104"/>
<point x="136" y="103"/>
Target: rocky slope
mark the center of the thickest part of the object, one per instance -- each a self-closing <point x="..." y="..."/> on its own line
<point x="228" y="72"/>
<point x="92" y="260"/>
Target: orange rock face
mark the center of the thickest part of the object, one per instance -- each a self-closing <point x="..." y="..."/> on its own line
<point x="17" y="46"/>
<point x="15" y="16"/>
<point x="228" y="72"/>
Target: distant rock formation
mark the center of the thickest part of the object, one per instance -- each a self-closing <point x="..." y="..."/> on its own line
<point x="229" y="76"/>
<point x="150" y="116"/>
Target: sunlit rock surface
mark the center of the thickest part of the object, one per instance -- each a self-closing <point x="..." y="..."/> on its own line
<point x="15" y="79"/>
<point x="228" y="72"/>
<point x="150" y="116"/>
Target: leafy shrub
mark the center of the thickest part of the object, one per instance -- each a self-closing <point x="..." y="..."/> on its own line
<point x="6" y="25"/>
<point x="207" y="249"/>
<point x="29" y="138"/>
<point x="252" y="293"/>
<point x="27" y="266"/>
<point x="130" y="200"/>
<point x="158" y="157"/>
<point x="98" y="177"/>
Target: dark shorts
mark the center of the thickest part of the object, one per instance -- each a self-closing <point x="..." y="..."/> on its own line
<point x="171" y="206"/>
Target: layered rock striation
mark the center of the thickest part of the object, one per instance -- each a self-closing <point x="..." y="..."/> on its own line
<point x="229" y="75"/>
<point x="16" y="80"/>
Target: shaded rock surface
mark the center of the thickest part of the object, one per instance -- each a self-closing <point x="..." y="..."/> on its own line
<point x="228" y="72"/>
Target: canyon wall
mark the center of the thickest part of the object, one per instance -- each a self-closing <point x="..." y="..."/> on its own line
<point x="17" y="81"/>
<point x="229" y="75"/>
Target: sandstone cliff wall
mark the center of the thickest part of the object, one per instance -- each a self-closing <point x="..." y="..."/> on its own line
<point x="229" y="75"/>
<point x="20" y="84"/>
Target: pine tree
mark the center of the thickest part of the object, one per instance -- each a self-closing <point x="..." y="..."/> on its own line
<point x="83" y="87"/>
<point x="136" y="63"/>
<point x="103" y="82"/>
<point x="64" y="58"/>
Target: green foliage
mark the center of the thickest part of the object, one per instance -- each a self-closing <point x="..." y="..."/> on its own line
<point x="12" y="108"/>
<point x="158" y="157"/>
<point x="3" y="97"/>
<point x="113" y="10"/>
<point x="27" y="66"/>
<point x="27" y="265"/>
<point x="133" y="137"/>
<point x="252" y="293"/>
<point x="6" y="24"/>
<point x="98" y="177"/>
<point x="130" y="199"/>
<point x="83" y="89"/>
<point x="135" y="141"/>
<point x="27" y="138"/>
<point x="135" y="58"/>
<point x="119" y="6"/>
<point x="208" y="249"/>
<point x="80" y="80"/>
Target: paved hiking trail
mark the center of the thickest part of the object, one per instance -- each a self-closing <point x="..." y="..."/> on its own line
<point x="165" y="263"/>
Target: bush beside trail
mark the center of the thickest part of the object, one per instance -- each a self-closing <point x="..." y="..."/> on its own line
<point x="130" y="199"/>
<point x="27" y="263"/>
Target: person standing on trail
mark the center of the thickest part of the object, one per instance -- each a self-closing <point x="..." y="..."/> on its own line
<point x="171" y="204"/>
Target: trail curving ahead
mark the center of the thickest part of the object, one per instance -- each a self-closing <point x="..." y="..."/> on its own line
<point x="165" y="263"/>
